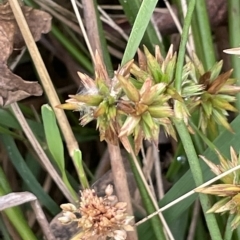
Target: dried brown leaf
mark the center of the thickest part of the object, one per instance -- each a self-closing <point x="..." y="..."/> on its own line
<point x="38" y="21"/>
<point x="13" y="88"/>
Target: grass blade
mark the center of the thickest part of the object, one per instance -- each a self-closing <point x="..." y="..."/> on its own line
<point x="140" y="25"/>
<point x="27" y="176"/>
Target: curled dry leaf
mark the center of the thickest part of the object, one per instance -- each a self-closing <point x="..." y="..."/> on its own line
<point x="12" y="87"/>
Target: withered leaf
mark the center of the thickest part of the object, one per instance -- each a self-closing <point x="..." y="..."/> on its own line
<point x="12" y="87"/>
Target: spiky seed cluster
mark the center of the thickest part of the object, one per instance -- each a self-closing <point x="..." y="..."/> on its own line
<point x="100" y="216"/>
<point x="120" y="107"/>
<point x="146" y="98"/>
<point x="141" y="97"/>
<point x="98" y="101"/>
<point x="229" y="189"/>
<point x="216" y="97"/>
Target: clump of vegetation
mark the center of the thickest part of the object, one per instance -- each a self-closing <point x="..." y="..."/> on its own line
<point x="184" y="93"/>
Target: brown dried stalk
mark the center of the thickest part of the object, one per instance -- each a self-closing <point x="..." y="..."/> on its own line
<point x="120" y="179"/>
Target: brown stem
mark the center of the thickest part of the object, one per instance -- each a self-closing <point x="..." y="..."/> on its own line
<point x="119" y="174"/>
<point x="45" y="78"/>
<point x="120" y="181"/>
<point x="91" y="25"/>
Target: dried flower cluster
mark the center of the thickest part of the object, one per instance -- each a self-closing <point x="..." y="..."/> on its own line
<point x="229" y="189"/>
<point x="99" y="216"/>
<point x="141" y="97"/>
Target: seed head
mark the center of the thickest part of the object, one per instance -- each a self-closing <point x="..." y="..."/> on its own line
<point x="229" y="189"/>
<point x="100" y="216"/>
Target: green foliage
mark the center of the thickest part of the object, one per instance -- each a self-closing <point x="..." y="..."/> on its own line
<point x="178" y="84"/>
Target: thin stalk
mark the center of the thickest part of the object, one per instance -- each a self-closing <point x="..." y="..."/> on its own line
<point x="44" y="77"/>
<point x="119" y="173"/>
<point x="77" y="13"/>
<point x="95" y="31"/>
<point x="204" y="30"/>
<point x="147" y="197"/>
<point x="198" y="177"/>
<point x="188" y="194"/>
<point x="182" y="47"/>
<point x="197" y="38"/>
<point x="120" y="181"/>
<point x="148" y="203"/>
<point x="41" y="154"/>
<point x="228" y="231"/>
<point x="234" y="36"/>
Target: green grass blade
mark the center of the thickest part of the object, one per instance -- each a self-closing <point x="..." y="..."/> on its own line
<point x="14" y="214"/>
<point x="77" y="156"/>
<point x="27" y="176"/>
<point x="76" y="53"/>
<point x="54" y="142"/>
<point x="204" y="30"/>
<point x="150" y="38"/>
<point x="185" y="184"/>
<point x="196" y="170"/>
<point x="140" y="25"/>
<point x="53" y="136"/>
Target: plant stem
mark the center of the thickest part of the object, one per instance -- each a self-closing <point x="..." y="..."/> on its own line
<point x="182" y="48"/>
<point x="120" y="181"/>
<point x="198" y="177"/>
<point x="234" y="36"/>
<point x="41" y="154"/>
<point x="44" y="77"/>
<point x="147" y="196"/>
<point x="228" y="231"/>
<point x="204" y="30"/>
<point x="95" y="26"/>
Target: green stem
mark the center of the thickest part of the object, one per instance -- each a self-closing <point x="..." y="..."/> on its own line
<point x="234" y="36"/>
<point x="198" y="177"/>
<point x="182" y="48"/>
<point x="228" y="231"/>
<point x="197" y="38"/>
<point x="205" y="34"/>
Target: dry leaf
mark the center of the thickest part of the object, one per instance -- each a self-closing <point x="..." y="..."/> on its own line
<point x="12" y="87"/>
